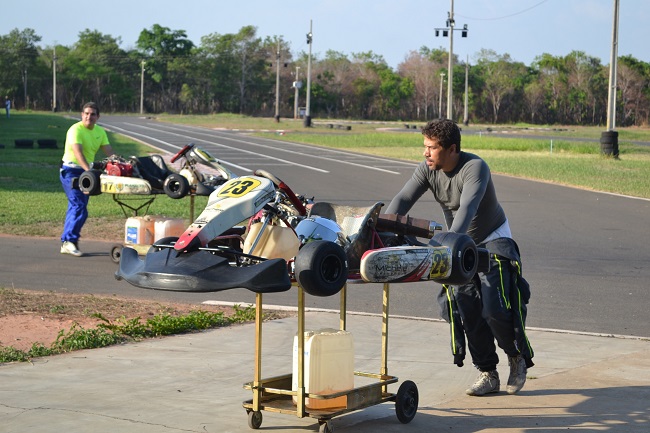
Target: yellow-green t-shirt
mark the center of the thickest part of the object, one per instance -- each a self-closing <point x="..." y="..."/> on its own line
<point x="90" y="139"/>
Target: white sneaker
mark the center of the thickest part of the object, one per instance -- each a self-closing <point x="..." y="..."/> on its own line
<point x="518" y="372"/>
<point x="487" y="383"/>
<point x="68" y="247"/>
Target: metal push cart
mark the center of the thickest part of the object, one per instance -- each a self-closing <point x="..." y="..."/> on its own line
<point x="275" y="394"/>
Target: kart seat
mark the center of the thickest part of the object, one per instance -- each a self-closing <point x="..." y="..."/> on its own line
<point x="153" y="169"/>
<point x="357" y="224"/>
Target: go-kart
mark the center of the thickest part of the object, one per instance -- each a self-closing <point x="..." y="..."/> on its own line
<point x="147" y="175"/>
<point x="256" y="233"/>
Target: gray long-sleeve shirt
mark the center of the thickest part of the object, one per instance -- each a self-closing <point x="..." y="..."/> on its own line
<point x="466" y="195"/>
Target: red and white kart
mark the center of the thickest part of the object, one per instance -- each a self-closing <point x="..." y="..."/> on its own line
<point x="147" y="175"/>
<point x="255" y="233"/>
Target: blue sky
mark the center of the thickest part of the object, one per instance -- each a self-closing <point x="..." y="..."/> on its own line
<point x="391" y="28"/>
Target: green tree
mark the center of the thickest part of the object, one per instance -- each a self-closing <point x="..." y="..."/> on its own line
<point x="19" y="56"/>
<point x="167" y="53"/>
<point x="94" y="70"/>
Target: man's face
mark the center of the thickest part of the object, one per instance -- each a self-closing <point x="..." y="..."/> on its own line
<point x="437" y="157"/>
<point x="89" y="117"/>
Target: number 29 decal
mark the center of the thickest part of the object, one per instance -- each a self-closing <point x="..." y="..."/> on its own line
<point x="239" y="187"/>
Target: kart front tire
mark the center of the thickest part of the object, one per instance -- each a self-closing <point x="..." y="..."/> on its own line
<point x="90" y="182"/>
<point x="464" y="257"/>
<point x="176" y="186"/>
<point x="321" y="268"/>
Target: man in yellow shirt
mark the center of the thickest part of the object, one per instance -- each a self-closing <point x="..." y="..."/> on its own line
<point x="82" y="142"/>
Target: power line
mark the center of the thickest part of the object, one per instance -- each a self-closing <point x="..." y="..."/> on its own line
<point x="504" y="16"/>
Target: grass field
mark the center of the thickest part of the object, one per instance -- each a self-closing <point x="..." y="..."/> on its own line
<point x="30" y="190"/>
<point x="34" y="203"/>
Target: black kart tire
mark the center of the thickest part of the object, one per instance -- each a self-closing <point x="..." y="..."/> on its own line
<point x="90" y="182"/>
<point x="24" y="143"/>
<point x="176" y="186"/>
<point x="464" y="257"/>
<point x="321" y="268"/>
<point x="46" y="143"/>
<point x="406" y="401"/>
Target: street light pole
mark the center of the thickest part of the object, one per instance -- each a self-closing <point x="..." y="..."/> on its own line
<point x="142" y="87"/>
<point x="450" y="68"/>
<point x="609" y="138"/>
<point x="277" y="83"/>
<point x="465" y="113"/>
<point x="442" y="79"/>
<point x="449" y="32"/>
<point x="611" y="97"/>
<point x="296" y="95"/>
<point x="308" y="104"/>
<point x="54" y="107"/>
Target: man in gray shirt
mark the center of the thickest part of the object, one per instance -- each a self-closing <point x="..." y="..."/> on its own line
<point x="492" y="306"/>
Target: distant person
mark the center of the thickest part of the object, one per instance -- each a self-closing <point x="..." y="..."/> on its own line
<point x="7" y="105"/>
<point x="82" y="142"/>
<point x="492" y="306"/>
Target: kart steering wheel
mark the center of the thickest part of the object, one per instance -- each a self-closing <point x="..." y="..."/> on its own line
<point x="285" y="188"/>
<point x="182" y="152"/>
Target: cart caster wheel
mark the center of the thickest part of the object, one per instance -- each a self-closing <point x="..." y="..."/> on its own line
<point x="116" y="253"/>
<point x="254" y="419"/>
<point x="325" y="427"/>
<point x="406" y="401"/>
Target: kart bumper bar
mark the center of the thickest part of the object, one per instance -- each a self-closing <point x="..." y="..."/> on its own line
<point x="199" y="271"/>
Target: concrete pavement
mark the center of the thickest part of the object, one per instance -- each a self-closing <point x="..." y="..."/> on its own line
<point x="193" y="383"/>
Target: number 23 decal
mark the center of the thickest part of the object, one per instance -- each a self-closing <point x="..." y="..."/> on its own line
<point x="239" y="187"/>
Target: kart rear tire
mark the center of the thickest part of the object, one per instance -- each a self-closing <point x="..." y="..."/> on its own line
<point x="321" y="268"/>
<point x="464" y="257"/>
<point x="176" y="186"/>
<point x="90" y="182"/>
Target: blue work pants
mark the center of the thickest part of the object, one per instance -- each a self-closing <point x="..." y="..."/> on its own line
<point x="77" y="212"/>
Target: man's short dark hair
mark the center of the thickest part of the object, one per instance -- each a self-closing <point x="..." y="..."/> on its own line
<point x="444" y="131"/>
<point x="92" y="105"/>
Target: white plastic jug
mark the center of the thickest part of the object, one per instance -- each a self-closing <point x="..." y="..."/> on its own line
<point x="165" y="227"/>
<point x="139" y="230"/>
<point x="328" y="366"/>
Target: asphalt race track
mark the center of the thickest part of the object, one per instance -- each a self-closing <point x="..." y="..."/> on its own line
<point x="585" y="253"/>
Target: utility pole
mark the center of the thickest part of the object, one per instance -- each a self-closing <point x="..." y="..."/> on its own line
<point x="450" y="68"/>
<point x="613" y="60"/>
<point x="142" y="88"/>
<point x="277" y="83"/>
<point x="307" y="122"/>
<point x="442" y="79"/>
<point x="466" y="113"/>
<point x="54" y="108"/>
<point x="296" y="96"/>
<point x="25" y="87"/>
<point x="609" y="138"/>
<point x="449" y="31"/>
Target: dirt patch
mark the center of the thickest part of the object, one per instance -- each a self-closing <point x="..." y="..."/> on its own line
<point x="28" y="317"/>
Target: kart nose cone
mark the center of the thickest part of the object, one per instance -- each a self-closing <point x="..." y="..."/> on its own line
<point x="319" y="229"/>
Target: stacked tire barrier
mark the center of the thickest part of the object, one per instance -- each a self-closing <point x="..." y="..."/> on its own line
<point x="609" y="143"/>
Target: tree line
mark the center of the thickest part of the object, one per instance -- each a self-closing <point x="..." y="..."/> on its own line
<point x="237" y="73"/>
